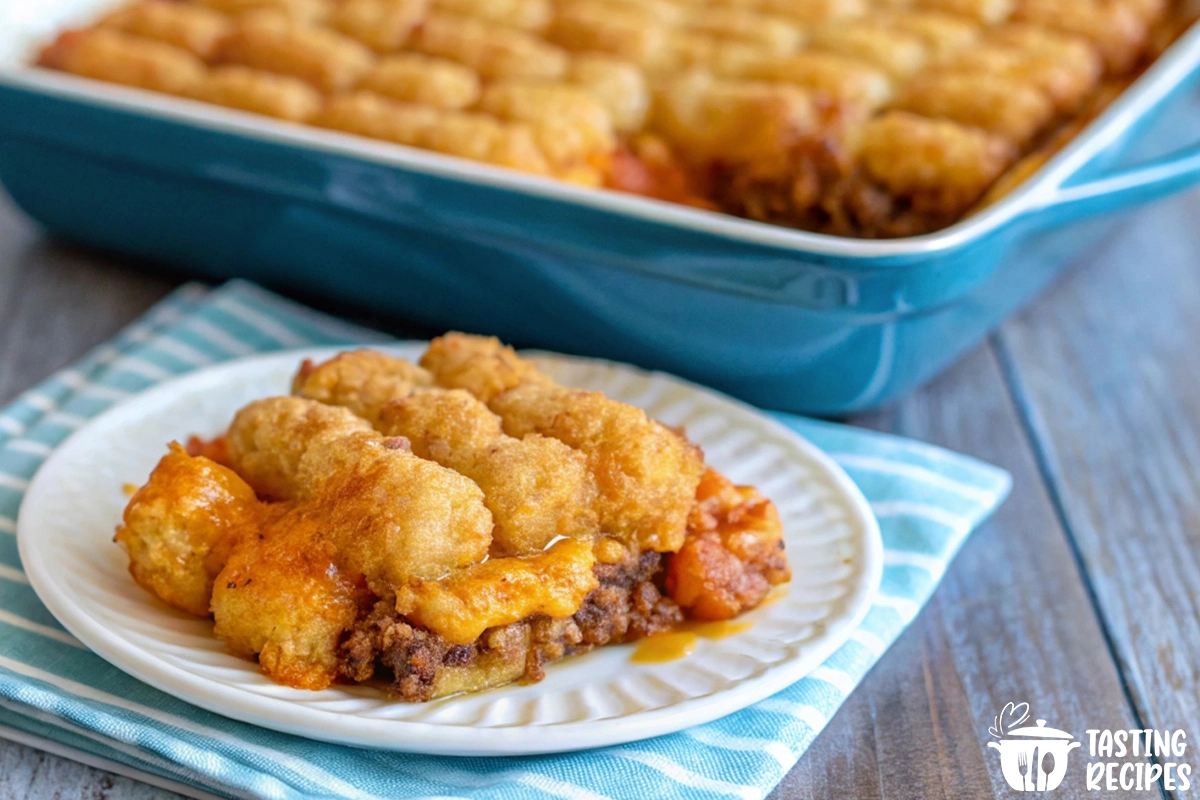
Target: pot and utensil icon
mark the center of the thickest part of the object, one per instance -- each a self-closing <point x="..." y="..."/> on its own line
<point x="1034" y="758"/>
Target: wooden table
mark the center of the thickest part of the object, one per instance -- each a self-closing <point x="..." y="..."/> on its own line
<point x="1079" y="597"/>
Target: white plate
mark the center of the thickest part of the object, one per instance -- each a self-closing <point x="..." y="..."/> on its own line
<point x="65" y="534"/>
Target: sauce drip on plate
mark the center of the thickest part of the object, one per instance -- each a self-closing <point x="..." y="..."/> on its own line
<point x="681" y="641"/>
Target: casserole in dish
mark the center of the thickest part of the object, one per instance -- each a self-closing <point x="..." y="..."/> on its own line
<point x="783" y="318"/>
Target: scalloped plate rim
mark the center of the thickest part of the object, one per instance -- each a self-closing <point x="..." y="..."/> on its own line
<point x="280" y="714"/>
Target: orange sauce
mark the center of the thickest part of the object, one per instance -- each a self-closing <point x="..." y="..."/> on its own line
<point x="681" y="641"/>
<point x="667" y="646"/>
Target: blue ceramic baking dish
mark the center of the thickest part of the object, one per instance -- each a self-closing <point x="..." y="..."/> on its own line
<point x="784" y="319"/>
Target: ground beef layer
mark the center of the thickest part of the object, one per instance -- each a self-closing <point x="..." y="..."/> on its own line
<point x="628" y="604"/>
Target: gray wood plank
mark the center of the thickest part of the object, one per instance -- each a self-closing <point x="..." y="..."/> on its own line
<point x="1010" y="622"/>
<point x="56" y="302"/>
<point x="1107" y="369"/>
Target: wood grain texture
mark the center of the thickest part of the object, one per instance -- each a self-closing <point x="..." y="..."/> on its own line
<point x="1107" y="369"/>
<point x="1010" y="622"/>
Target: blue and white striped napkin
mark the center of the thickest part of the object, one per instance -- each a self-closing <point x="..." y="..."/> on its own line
<point x="56" y="694"/>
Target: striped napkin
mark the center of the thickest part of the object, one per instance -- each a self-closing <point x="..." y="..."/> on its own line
<point x="57" y="695"/>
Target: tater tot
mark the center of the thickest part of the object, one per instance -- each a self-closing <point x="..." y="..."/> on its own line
<point x="538" y="489"/>
<point x="531" y="15"/>
<point x="179" y="528"/>
<point x="618" y="84"/>
<point x="845" y="80"/>
<point x="193" y="28"/>
<point x="941" y="33"/>
<point x="808" y="12"/>
<point x="897" y="53"/>
<point x="363" y="381"/>
<point x="948" y="163"/>
<point x="583" y="28"/>
<point x="382" y="25"/>
<point x="368" y="114"/>
<point x="1067" y="88"/>
<point x="416" y="78"/>
<point x="110" y="55"/>
<point x="989" y="12"/>
<point x="306" y="10"/>
<point x="281" y="598"/>
<point x="493" y="52"/>
<point x="997" y="104"/>
<point x="261" y="92"/>
<point x="1117" y="31"/>
<point x="329" y="60"/>
<point x="779" y="35"/>
<point x="473" y="136"/>
<point x="569" y="124"/>
<point x="659" y="12"/>
<point x="708" y="118"/>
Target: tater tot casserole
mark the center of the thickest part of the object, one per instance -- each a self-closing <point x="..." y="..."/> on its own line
<point x="445" y="528"/>
<point x="864" y="118"/>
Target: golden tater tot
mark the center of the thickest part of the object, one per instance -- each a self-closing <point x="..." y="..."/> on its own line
<point x="538" y="489"/>
<point x="808" y="12"/>
<point x="493" y="52"/>
<point x="481" y="366"/>
<point x="658" y="12"/>
<point x="646" y="475"/>
<point x="941" y="33"/>
<point x="897" y="53"/>
<point x="618" y="84"/>
<point x="110" y="55"/>
<point x="989" y="12"/>
<point x="268" y="439"/>
<point x="282" y="598"/>
<point x="273" y="42"/>
<point x="733" y="120"/>
<point x="941" y="162"/>
<point x="305" y="10"/>
<point x="997" y="104"/>
<point x="393" y="516"/>
<point x="845" y="80"/>
<point x="778" y="35"/>
<point x="416" y="78"/>
<point x="194" y="28"/>
<point x="1117" y="31"/>
<point x="568" y="124"/>
<point x="483" y="138"/>
<point x="1067" y="88"/>
<point x="382" y="25"/>
<point x="363" y="381"/>
<point x="584" y="28"/>
<point x="531" y="15"/>
<point x="368" y="114"/>
<point x="261" y="92"/>
<point x="179" y="527"/>
<point x="475" y="136"/>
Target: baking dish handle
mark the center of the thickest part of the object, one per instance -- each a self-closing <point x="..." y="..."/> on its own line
<point x="1127" y="186"/>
